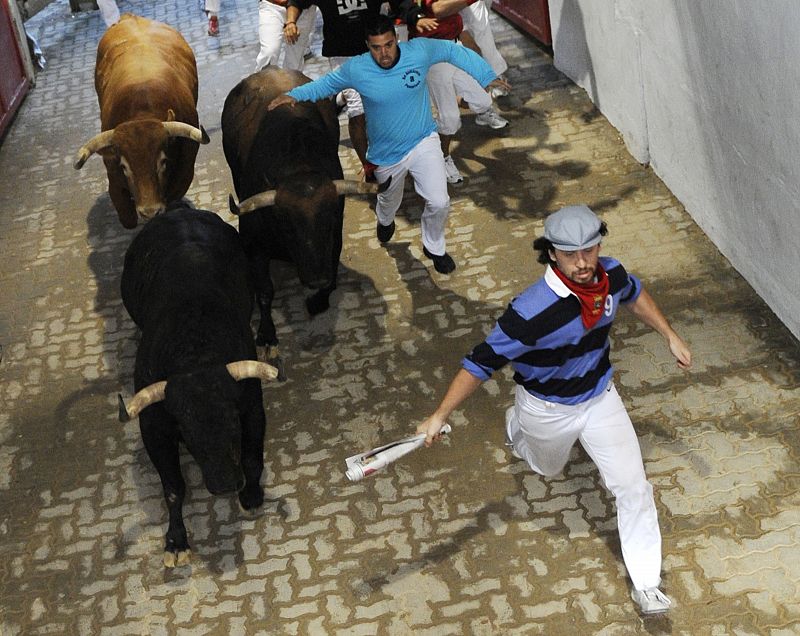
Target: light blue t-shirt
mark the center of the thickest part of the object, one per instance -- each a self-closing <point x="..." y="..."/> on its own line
<point x="396" y="103"/>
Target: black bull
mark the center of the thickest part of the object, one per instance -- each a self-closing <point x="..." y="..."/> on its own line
<point x="291" y="154"/>
<point x="186" y="286"/>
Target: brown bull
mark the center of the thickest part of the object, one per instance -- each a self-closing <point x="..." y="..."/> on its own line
<point x="146" y="82"/>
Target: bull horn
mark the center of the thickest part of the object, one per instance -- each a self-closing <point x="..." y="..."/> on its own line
<point x="98" y="142"/>
<point x="353" y="186"/>
<point x="260" y="200"/>
<point x="244" y="369"/>
<point x="181" y="129"/>
<point x="148" y="395"/>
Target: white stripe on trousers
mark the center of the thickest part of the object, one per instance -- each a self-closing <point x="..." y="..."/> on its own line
<point x="425" y="163"/>
<point x="544" y="432"/>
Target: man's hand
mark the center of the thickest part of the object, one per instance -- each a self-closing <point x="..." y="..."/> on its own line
<point x="427" y="24"/>
<point x="680" y="350"/>
<point x="280" y="100"/>
<point x="291" y="32"/>
<point x="432" y="428"/>
<point x="499" y="83"/>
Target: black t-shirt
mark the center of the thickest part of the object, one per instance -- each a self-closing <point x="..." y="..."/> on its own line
<point x="342" y="24"/>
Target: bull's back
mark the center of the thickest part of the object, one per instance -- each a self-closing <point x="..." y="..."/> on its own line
<point x="184" y="253"/>
<point x="248" y="127"/>
<point x="136" y="53"/>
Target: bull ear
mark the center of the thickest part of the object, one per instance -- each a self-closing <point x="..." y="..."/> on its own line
<point x="170" y="115"/>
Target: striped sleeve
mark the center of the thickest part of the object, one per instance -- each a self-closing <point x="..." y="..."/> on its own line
<point x="500" y="346"/>
<point x="621" y="282"/>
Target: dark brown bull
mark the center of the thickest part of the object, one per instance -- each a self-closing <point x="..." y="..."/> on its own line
<point x="146" y="82"/>
<point x="286" y="171"/>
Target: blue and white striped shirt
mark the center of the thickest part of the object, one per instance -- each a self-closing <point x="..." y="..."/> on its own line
<point x="541" y="333"/>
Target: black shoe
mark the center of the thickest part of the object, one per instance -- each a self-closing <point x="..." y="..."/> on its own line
<point x="385" y="232"/>
<point x="442" y="264"/>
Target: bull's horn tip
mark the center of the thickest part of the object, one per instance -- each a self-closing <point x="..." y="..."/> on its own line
<point x="232" y="205"/>
<point x="79" y="161"/>
<point x="123" y="410"/>
<point x="206" y="139"/>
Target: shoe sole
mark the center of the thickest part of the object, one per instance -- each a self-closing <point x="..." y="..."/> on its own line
<point x="493" y="127"/>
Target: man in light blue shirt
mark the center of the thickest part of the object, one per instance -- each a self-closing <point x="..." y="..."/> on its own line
<point x="400" y="128"/>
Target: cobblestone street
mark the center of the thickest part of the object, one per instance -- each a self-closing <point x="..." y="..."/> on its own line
<point x="458" y="539"/>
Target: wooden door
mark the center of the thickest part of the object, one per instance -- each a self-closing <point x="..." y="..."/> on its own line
<point x="13" y="82"/>
<point x="532" y="16"/>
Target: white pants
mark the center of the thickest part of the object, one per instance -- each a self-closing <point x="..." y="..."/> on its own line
<point x="445" y="81"/>
<point x="271" y="20"/>
<point x="476" y="21"/>
<point x="349" y="96"/>
<point x="425" y="162"/>
<point x="212" y="6"/>
<point x="108" y="11"/>
<point x="543" y="434"/>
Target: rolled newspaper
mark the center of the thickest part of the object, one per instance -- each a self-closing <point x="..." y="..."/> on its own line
<point x="364" y="464"/>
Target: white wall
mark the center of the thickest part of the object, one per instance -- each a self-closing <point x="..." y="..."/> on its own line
<point x="708" y="93"/>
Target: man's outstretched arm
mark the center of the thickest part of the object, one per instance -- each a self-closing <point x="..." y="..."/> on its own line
<point x="462" y="386"/>
<point x="646" y="310"/>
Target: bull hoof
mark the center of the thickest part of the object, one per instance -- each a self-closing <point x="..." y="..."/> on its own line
<point x="251" y="498"/>
<point x="318" y="303"/>
<point x="171" y="559"/>
<point x="253" y="513"/>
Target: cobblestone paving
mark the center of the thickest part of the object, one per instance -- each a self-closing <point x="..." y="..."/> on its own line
<point x="456" y="540"/>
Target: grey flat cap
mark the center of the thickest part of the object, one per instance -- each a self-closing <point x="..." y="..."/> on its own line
<point x="574" y="227"/>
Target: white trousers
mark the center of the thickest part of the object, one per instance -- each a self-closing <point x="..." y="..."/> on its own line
<point x="271" y="20"/>
<point x="108" y="11"/>
<point x="445" y="82"/>
<point x="212" y="6"/>
<point x="543" y="434"/>
<point x="476" y="21"/>
<point x="425" y="163"/>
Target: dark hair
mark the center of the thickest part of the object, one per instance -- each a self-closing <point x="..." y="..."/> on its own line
<point x="378" y="25"/>
<point x="543" y="245"/>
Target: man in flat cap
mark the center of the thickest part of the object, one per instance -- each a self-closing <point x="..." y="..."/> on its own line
<point x="555" y="334"/>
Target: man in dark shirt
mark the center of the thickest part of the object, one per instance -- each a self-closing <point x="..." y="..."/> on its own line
<point x="343" y="23"/>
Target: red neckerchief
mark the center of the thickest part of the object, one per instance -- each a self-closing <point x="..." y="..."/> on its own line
<point x="592" y="296"/>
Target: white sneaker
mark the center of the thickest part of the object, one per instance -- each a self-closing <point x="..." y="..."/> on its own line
<point x="651" y="600"/>
<point x="492" y="119"/>
<point x="453" y="175"/>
